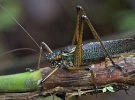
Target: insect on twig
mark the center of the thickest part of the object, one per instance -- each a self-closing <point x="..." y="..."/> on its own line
<point x="76" y="55"/>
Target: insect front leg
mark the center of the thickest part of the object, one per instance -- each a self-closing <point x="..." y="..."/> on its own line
<point x="43" y="44"/>
<point x="46" y="47"/>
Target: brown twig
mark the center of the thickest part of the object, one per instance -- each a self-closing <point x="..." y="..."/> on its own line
<point x="70" y="83"/>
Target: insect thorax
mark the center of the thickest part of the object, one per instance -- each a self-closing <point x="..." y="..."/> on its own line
<point x="63" y="57"/>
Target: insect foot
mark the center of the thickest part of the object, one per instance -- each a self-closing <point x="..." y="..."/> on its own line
<point x="95" y="91"/>
<point x="94" y="82"/>
<point x="118" y="66"/>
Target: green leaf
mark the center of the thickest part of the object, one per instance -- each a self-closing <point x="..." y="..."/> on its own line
<point x="110" y="88"/>
<point x="104" y="90"/>
<point x="131" y="56"/>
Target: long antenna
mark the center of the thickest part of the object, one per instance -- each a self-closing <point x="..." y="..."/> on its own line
<point x="20" y="25"/>
<point x="18" y="50"/>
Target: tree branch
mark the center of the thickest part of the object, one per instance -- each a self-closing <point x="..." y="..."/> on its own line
<point x="70" y="83"/>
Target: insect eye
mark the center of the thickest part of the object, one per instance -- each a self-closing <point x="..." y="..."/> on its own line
<point x="48" y="57"/>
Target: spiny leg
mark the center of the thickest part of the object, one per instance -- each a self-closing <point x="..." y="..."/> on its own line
<point x="76" y="34"/>
<point x="40" y="55"/>
<point x="54" y="70"/>
<point x="77" y="59"/>
<point x="39" y="59"/>
<point x="96" y="36"/>
<point x="93" y="80"/>
<point x="77" y="39"/>
<point x="43" y="44"/>
<point x="94" y="83"/>
<point x="92" y="76"/>
<point x="78" y="50"/>
<point x="46" y="47"/>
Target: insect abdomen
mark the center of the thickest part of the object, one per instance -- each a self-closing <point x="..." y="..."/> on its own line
<point x="94" y="53"/>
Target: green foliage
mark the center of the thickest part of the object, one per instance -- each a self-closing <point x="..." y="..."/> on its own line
<point x="124" y="20"/>
<point x="109" y="88"/>
<point x="14" y="7"/>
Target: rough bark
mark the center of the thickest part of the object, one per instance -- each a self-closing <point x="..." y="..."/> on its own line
<point x="70" y="83"/>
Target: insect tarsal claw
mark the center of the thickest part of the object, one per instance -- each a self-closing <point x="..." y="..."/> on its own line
<point x="88" y="69"/>
<point x="96" y="90"/>
<point x="118" y="66"/>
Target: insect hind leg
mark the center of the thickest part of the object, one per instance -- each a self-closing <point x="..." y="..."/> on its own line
<point x="77" y="39"/>
<point x="96" y="36"/>
<point x="76" y="34"/>
<point x="93" y="80"/>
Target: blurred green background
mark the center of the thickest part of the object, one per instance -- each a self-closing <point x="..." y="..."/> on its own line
<point x="53" y="21"/>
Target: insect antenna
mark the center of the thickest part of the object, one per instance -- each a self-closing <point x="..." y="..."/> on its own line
<point x="20" y="25"/>
<point x="14" y="50"/>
